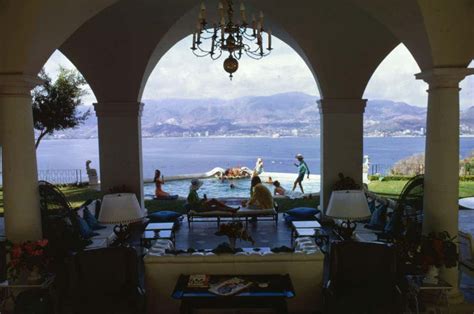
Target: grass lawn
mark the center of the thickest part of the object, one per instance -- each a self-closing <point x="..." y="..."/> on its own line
<point x="394" y="188"/>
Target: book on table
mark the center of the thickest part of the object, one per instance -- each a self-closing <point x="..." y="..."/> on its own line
<point x="198" y="281"/>
<point x="230" y="286"/>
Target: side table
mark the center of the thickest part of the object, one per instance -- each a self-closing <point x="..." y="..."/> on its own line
<point x="151" y="235"/>
<point x="10" y="288"/>
<point x="416" y="287"/>
<point x="303" y="224"/>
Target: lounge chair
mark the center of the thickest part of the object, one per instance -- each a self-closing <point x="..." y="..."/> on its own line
<point x="242" y="213"/>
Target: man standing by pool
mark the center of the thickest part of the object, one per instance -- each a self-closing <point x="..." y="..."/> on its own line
<point x="302" y="170"/>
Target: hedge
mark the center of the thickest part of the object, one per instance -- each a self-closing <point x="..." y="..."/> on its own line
<point x="406" y="178"/>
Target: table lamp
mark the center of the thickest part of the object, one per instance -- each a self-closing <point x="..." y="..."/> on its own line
<point x="350" y="206"/>
<point x="120" y="209"/>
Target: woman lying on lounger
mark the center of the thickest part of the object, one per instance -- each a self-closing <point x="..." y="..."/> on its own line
<point x="198" y="204"/>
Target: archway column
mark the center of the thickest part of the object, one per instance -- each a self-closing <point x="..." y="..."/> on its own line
<point x="441" y="180"/>
<point x="341" y="142"/>
<point x="120" y="146"/>
<point x="20" y="173"/>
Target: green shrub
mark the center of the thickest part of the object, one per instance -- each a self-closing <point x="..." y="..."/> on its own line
<point x="373" y="177"/>
<point x="396" y="178"/>
<point x="466" y="178"/>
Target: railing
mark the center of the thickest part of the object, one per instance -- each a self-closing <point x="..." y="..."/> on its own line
<point x="61" y="176"/>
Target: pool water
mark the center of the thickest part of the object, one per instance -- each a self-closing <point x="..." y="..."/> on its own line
<point x="214" y="188"/>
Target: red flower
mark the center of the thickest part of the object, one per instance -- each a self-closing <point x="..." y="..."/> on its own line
<point x="43" y="242"/>
<point x="16" y="251"/>
<point x="37" y="252"/>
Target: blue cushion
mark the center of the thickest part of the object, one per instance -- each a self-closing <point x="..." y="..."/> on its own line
<point x="394" y="224"/>
<point x="164" y="216"/>
<point x="303" y="212"/>
<point x="379" y="216"/>
<point x="300" y="213"/>
<point x="84" y="229"/>
<point x="371" y="206"/>
<point x="91" y="220"/>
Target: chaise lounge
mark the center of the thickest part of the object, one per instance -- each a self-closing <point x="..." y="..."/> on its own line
<point x="270" y="214"/>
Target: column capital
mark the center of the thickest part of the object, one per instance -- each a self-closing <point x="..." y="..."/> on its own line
<point x="118" y="109"/>
<point x="444" y="77"/>
<point x="341" y="105"/>
<point x="18" y="84"/>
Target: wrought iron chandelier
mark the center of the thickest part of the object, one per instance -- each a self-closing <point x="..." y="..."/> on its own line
<point x="235" y="37"/>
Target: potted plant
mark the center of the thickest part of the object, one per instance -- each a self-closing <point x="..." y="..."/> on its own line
<point x="28" y="261"/>
<point x="434" y="251"/>
<point x="234" y="231"/>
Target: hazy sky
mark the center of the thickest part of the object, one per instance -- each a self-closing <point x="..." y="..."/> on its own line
<point x="180" y="74"/>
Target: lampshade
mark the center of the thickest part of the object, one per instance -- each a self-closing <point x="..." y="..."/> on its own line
<point x="120" y="208"/>
<point x="348" y="204"/>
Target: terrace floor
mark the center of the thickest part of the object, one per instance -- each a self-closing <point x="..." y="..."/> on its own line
<point x="268" y="234"/>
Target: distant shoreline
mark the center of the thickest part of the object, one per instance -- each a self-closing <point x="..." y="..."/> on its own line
<point x="246" y="136"/>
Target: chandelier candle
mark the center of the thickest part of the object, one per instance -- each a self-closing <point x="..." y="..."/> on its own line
<point x="233" y="37"/>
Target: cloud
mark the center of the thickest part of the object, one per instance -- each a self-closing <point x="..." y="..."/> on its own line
<point x="180" y="74"/>
<point x="395" y="80"/>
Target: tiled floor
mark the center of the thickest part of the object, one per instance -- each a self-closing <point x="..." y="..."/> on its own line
<point x="201" y="235"/>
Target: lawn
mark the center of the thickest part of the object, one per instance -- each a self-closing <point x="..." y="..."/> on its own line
<point x="393" y="188"/>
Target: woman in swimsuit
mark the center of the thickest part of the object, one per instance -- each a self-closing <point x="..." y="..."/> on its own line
<point x="159" y="193"/>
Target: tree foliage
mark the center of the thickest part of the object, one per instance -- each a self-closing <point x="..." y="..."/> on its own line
<point x="467" y="165"/>
<point x="55" y="103"/>
<point x="409" y="166"/>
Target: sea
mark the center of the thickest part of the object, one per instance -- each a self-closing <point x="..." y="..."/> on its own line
<point x="195" y="155"/>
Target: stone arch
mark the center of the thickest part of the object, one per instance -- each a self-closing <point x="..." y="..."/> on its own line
<point x="184" y="27"/>
<point x="36" y="34"/>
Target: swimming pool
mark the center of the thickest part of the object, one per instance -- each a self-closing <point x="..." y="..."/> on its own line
<point x="213" y="187"/>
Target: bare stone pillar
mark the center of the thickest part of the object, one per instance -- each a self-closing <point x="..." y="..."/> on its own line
<point x="20" y="174"/>
<point x="120" y="146"/>
<point x="441" y="182"/>
<point x="341" y="142"/>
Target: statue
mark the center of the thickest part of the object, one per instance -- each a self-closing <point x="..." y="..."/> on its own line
<point x="92" y="174"/>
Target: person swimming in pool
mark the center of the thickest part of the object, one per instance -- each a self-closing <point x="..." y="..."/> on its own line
<point x="279" y="190"/>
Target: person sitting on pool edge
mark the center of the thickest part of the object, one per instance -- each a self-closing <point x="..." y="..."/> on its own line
<point x="198" y="204"/>
<point x="279" y="190"/>
<point x="159" y="181"/>
<point x="261" y="197"/>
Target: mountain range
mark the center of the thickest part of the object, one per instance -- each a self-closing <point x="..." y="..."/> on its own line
<point x="285" y="114"/>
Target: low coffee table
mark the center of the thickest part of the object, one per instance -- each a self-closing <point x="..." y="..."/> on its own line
<point x="151" y="235"/>
<point x="160" y="226"/>
<point x="266" y="291"/>
<point x="298" y="228"/>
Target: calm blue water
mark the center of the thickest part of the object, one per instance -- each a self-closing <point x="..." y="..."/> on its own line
<point x="215" y="188"/>
<point x="192" y="155"/>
